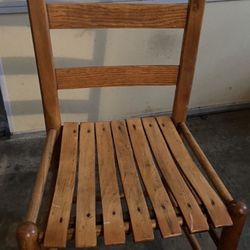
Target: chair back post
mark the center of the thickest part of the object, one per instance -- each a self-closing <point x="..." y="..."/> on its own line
<point x="45" y="66"/>
<point x="188" y="58"/>
<point x="43" y="17"/>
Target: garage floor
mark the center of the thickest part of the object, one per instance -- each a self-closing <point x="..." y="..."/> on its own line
<point x="224" y="137"/>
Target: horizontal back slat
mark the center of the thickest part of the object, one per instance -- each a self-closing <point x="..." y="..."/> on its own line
<point x="108" y="76"/>
<point x="116" y="15"/>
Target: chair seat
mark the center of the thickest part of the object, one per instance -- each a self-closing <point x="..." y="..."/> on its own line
<point x="133" y="174"/>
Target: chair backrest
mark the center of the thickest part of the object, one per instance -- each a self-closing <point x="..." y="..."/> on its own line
<point x="187" y="16"/>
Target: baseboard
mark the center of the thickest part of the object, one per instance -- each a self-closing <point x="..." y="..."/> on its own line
<point x="213" y="109"/>
<point x="206" y="110"/>
<point x="200" y="111"/>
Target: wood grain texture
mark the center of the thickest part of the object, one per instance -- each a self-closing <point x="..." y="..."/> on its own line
<point x="116" y="15"/>
<point x="127" y="228"/>
<point x="189" y="207"/>
<point x="45" y="66"/>
<point x="27" y="236"/>
<point x="206" y="165"/>
<point x="57" y="226"/>
<point x="41" y="178"/>
<point x="164" y="211"/>
<point x="86" y="191"/>
<point x="114" y="232"/>
<point x="138" y="211"/>
<point x="215" y="207"/>
<point x="230" y="236"/>
<point x="180" y="172"/>
<point x="87" y="77"/>
<point x="188" y="59"/>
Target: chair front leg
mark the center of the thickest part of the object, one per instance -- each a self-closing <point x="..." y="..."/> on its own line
<point x="27" y="236"/>
<point x="230" y="236"/>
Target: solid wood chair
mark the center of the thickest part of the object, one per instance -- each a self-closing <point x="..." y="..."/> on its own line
<point x="147" y="178"/>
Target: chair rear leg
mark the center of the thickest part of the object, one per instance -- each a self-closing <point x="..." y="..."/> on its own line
<point x="230" y="236"/>
<point x="27" y="236"/>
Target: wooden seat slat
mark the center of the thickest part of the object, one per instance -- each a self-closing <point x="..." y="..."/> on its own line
<point x="189" y="207"/>
<point x="215" y="207"/>
<point x="86" y="191"/>
<point x="150" y="148"/>
<point x="158" y="195"/>
<point x="114" y="232"/>
<point x="57" y="226"/>
<point x="138" y="211"/>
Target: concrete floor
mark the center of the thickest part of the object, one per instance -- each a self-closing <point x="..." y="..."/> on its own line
<point x="225" y="138"/>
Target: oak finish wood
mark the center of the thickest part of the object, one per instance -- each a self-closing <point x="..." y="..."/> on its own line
<point x="112" y="211"/>
<point x="189" y="207"/>
<point x="138" y="211"/>
<point x="108" y="76"/>
<point x="136" y="145"/>
<point x="188" y="59"/>
<point x="158" y="155"/>
<point x="116" y="15"/>
<point x="127" y="228"/>
<point x="230" y="236"/>
<point x="41" y="178"/>
<point x="206" y="165"/>
<point x="57" y="226"/>
<point x="44" y="60"/>
<point x="215" y="207"/>
<point x="160" y="200"/>
<point x="27" y="236"/>
<point x="86" y="193"/>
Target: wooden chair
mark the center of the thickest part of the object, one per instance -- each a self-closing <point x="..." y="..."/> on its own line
<point x="146" y="176"/>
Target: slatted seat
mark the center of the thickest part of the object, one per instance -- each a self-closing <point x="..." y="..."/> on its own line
<point x="151" y="160"/>
<point x="126" y="176"/>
